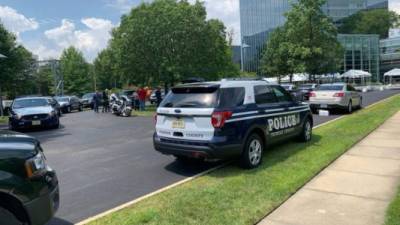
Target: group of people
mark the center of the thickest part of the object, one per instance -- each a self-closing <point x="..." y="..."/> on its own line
<point x="101" y="99"/>
<point x="138" y="97"/>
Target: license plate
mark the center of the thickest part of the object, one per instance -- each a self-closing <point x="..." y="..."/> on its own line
<point x="179" y="124"/>
<point x="36" y="123"/>
<point x="324" y="106"/>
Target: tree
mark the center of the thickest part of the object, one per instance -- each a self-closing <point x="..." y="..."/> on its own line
<point x="16" y="70"/>
<point x="45" y="80"/>
<point x="75" y="69"/>
<point x="169" y="40"/>
<point x="310" y="43"/>
<point x="376" y="21"/>
<point x="276" y="60"/>
<point x="104" y="70"/>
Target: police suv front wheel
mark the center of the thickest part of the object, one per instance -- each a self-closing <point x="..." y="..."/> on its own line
<point x="252" y="152"/>
<point x="306" y="133"/>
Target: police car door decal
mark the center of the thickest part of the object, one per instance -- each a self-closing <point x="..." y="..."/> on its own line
<point x="281" y="125"/>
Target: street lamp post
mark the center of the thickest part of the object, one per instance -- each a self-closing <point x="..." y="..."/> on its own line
<point x="243" y="52"/>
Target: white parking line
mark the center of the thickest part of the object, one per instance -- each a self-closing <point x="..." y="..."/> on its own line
<point x="125" y="205"/>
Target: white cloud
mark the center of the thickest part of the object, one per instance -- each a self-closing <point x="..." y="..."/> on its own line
<point x="90" y="40"/>
<point x="228" y="12"/>
<point x="16" y="22"/>
<point x="225" y="10"/>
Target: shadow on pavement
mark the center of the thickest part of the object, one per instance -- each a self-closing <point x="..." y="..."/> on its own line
<point x="190" y="168"/>
<point x="58" y="221"/>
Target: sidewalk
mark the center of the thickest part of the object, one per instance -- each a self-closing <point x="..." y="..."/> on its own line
<point x="354" y="190"/>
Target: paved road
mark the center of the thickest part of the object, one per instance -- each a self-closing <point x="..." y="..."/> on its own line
<point x="103" y="161"/>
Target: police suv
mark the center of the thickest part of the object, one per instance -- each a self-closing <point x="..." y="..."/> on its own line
<point x="229" y="119"/>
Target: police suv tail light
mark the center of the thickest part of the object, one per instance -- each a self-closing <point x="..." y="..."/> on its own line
<point x="339" y="94"/>
<point x="218" y="118"/>
<point x="312" y="94"/>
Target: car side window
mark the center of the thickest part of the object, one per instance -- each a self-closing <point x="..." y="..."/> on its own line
<point x="231" y="97"/>
<point x="281" y="94"/>
<point x="264" y="95"/>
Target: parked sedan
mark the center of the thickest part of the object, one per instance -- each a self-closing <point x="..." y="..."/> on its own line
<point x="87" y="100"/>
<point x="32" y="112"/>
<point x="70" y="103"/>
<point x="337" y="95"/>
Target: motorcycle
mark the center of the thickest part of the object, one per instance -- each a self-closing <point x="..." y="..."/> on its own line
<point x="120" y="106"/>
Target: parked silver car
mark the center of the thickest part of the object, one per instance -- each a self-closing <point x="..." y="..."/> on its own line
<point x="336" y="95"/>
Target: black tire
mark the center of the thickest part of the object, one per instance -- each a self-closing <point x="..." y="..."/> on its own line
<point x="350" y="107"/>
<point x="80" y="108"/>
<point x="59" y="113"/>
<point x="11" y="127"/>
<point x="253" y="152"/>
<point x="8" y="218"/>
<point x="306" y="133"/>
<point x="69" y="109"/>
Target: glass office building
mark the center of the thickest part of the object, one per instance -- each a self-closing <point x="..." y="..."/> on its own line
<point x="260" y="17"/>
<point x="361" y="53"/>
<point x="390" y="54"/>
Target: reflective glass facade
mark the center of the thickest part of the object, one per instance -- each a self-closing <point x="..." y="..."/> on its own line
<point x="390" y="54"/>
<point x="260" y="17"/>
<point x="361" y="53"/>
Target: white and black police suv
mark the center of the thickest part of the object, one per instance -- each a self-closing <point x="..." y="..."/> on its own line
<point x="229" y="119"/>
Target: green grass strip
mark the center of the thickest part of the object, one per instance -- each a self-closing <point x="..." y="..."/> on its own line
<point x="393" y="212"/>
<point x="235" y="196"/>
<point x="3" y="119"/>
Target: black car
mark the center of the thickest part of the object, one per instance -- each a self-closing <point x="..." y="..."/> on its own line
<point x="306" y="89"/>
<point x="87" y="100"/>
<point x="32" y="112"/>
<point x="70" y="103"/>
<point x="29" y="192"/>
<point x="56" y="106"/>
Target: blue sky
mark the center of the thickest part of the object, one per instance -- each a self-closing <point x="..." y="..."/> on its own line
<point x="46" y="27"/>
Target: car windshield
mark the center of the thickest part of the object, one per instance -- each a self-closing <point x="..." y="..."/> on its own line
<point x="31" y="102"/>
<point x="88" y="95"/>
<point x="330" y="88"/>
<point x="193" y="97"/>
<point x="63" y="99"/>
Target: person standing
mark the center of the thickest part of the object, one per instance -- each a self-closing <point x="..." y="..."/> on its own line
<point x="142" y="99"/>
<point x="106" y="103"/>
<point x="158" y="96"/>
<point x="135" y="98"/>
<point x="96" y="102"/>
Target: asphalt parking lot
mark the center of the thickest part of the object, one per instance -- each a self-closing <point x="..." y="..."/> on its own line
<point x="103" y="161"/>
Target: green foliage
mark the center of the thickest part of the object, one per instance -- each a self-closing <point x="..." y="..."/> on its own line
<point x="306" y="43"/>
<point x="376" y="21"/>
<point x="105" y="70"/>
<point x="45" y="80"/>
<point x="76" y="72"/>
<point x="163" y="42"/>
<point x="17" y="70"/>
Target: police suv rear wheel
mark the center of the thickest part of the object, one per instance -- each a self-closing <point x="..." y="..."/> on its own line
<point x="306" y="134"/>
<point x="252" y="152"/>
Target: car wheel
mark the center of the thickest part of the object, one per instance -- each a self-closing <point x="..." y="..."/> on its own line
<point x="59" y="113"/>
<point x="306" y="133"/>
<point x="7" y="217"/>
<point x="350" y="107"/>
<point x="252" y="152"/>
<point x="80" y="108"/>
<point x="69" y="109"/>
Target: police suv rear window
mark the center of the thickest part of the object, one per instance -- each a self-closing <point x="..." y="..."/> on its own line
<point x="191" y="97"/>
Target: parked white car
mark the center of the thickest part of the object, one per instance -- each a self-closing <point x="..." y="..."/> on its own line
<point x="336" y="95"/>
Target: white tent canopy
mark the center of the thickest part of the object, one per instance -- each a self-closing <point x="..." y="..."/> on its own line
<point x="392" y="73"/>
<point x="354" y="74"/>
<point x="297" y="77"/>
